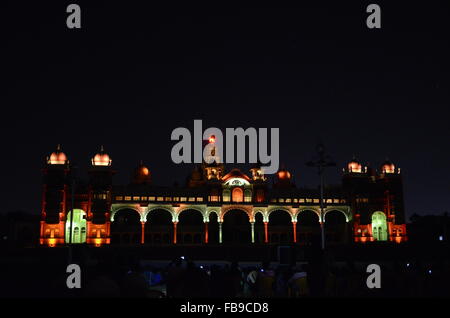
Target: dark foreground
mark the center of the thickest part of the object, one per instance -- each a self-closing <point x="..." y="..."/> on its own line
<point x="227" y="271"/>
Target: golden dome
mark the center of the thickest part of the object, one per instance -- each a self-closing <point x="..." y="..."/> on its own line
<point x="388" y="167"/>
<point x="57" y="158"/>
<point x="283" y="174"/>
<point x="101" y="159"/>
<point x="354" y="166"/>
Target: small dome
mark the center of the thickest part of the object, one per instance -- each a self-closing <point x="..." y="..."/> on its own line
<point x="388" y="167"/>
<point x="57" y="158"/>
<point x="354" y="166"/>
<point x="283" y="174"/>
<point x="101" y="159"/>
<point x="141" y="174"/>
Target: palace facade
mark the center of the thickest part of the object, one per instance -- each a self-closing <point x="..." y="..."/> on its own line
<point x="216" y="206"/>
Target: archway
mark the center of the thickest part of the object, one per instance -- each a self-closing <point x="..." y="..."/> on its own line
<point x="126" y="228"/>
<point x="259" y="228"/>
<point x="159" y="227"/>
<point x="190" y="228"/>
<point x="336" y="230"/>
<point x="379" y="226"/>
<point x="78" y="226"/>
<point x="236" y="228"/>
<point x="308" y="227"/>
<point x="280" y="227"/>
<point x="213" y="229"/>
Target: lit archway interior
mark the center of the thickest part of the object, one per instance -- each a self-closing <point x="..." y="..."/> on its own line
<point x="379" y="227"/>
<point x="78" y="226"/>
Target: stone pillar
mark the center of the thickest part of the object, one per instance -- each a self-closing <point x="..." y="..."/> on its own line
<point x="175" y="232"/>
<point x="142" y="232"/>
<point x="253" y="231"/>
<point x="266" y="232"/>
<point x="206" y="232"/>
<point x="294" y="231"/>
<point x="220" y="232"/>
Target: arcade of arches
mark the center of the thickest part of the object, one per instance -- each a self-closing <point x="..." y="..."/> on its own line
<point x="234" y="225"/>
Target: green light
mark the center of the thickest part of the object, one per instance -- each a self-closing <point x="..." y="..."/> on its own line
<point x="78" y="228"/>
<point x="379" y="226"/>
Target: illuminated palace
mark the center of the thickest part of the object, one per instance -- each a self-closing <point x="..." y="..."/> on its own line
<point x="218" y="207"/>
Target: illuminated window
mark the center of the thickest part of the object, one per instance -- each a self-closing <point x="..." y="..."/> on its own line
<point x="301" y="200"/>
<point x="199" y="199"/>
<point x="226" y="195"/>
<point x="329" y="201"/>
<point x="151" y="198"/>
<point x="191" y="199"/>
<point x="176" y="199"/>
<point x="127" y="198"/>
<point x="183" y="199"/>
<point x="295" y="200"/>
<point x="160" y="199"/>
<point x="238" y="195"/>
<point x="168" y="198"/>
<point x="288" y="200"/>
<point x="119" y="198"/>
<point x="248" y="195"/>
<point x="308" y="200"/>
<point x="281" y="200"/>
<point x="135" y="198"/>
<point x="213" y="198"/>
<point x="335" y="200"/>
<point x="316" y="200"/>
<point x="144" y="198"/>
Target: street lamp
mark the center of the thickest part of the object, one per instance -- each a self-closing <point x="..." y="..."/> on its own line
<point x="321" y="163"/>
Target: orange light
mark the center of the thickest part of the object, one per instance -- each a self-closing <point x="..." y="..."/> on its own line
<point x="145" y="171"/>
<point x="212" y="139"/>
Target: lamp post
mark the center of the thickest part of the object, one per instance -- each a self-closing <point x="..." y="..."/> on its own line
<point x="321" y="163"/>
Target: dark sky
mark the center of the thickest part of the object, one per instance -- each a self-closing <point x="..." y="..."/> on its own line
<point x="133" y="73"/>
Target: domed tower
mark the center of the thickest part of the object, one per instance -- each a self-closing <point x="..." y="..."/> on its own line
<point x="196" y="178"/>
<point x="54" y="197"/>
<point x="141" y="174"/>
<point x="389" y="168"/>
<point x="99" y="192"/>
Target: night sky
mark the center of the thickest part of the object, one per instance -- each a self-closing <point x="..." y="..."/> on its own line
<point x="133" y="73"/>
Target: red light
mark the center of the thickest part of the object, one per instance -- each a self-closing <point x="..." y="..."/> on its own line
<point x="212" y="139"/>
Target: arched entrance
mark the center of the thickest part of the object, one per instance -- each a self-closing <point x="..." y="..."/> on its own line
<point x="190" y="228"/>
<point x="126" y="228"/>
<point x="280" y="227"/>
<point x="379" y="226"/>
<point x="213" y="229"/>
<point x="236" y="228"/>
<point x="308" y="227"/>
<point x="335" y="227"/>
<point x="159" y="227"/>
<point x="78" y="226"/>
<point x="259" y="228"/>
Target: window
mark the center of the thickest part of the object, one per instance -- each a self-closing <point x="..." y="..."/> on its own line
<point x="119" y="198"/>
<point x="226" y="195"/>
<point x="135" y="198"/>
<point x="288" y="200"/>
<point x="301" y="200"/>
<point x="281" y="200"/>
<point x="248" y="195"/>
<point x="168" y="198"/>
<point x="259" y="195"/>
<point x="183" y="199"/>
<point x="151" y="198"/>
<point x="295" y="200"/>
<point x="127" y="198"/>
<point x="144" y="198"/>
<point x="199" y="199"/>
<point x="160" y="199"/>
<point x="191" y="199"/>
<point x="238" y="195"/>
